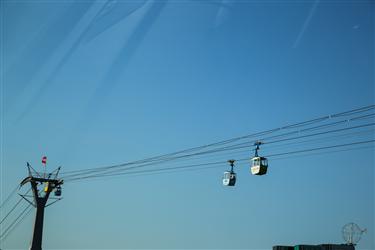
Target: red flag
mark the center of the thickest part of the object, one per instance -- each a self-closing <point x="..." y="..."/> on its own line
<point x="44" y="160"/>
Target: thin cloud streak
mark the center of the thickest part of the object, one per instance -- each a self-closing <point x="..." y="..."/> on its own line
<point x="305" y="24"/>
<point x="94" y="28"/>
<point x="222" y="13"/>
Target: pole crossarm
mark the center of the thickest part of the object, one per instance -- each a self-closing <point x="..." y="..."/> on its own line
<point x="59" y="199"/>
<point x="24" y="197"/>
<point x="31" y="179"/>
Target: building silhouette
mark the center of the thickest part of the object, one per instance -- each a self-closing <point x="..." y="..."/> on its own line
<point x="316" y="247"/>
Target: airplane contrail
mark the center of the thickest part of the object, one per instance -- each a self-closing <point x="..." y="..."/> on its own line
<point x="306" y="24"/>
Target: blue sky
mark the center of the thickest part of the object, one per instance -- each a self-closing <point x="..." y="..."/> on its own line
<point x="96" y="83"/>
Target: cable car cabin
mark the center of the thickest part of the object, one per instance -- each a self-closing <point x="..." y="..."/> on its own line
<point x="229" y="178"/>
<point x="259" y="165"/>
<point x="58" y="191"/>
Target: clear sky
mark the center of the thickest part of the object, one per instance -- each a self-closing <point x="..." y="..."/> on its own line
<point x="96" y="83"/>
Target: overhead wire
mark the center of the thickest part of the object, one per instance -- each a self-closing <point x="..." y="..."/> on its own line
<point x="150" y="170"/>
<point x="113" y="169"/>
<point x="321" y="148"/>
<point x="354" y="111"/>
<point x="320" y="133"/>
<point x="325" y="138"/>
<point x="9" y="196"/>
<point x="134" y="167"/>
<point x="23" y="214"/>
<point x="14" y="207"/>
<point x="222" y="162"/>
<point x="231" y="148"/>
<point x="241" y="151"/>
<point x="161" y="157"/>
<point x="18" y="219"/>
<point x="325" y="152"/>
<point x="264" y="140"/>
<point x="212" y="148"/>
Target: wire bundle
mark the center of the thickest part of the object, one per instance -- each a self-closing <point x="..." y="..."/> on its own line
<point x="354" y="129"/>
<point x="358" y="123"/>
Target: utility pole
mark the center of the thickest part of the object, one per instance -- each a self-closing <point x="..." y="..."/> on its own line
<point x="48" y="183"/>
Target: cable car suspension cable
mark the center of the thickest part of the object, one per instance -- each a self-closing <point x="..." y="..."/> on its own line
<point x="354" y="111"/>
<point x="230" y="148"/>
<point x="221" y="162"/>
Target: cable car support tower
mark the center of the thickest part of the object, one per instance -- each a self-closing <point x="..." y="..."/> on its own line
<point x="48" y="183"/>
